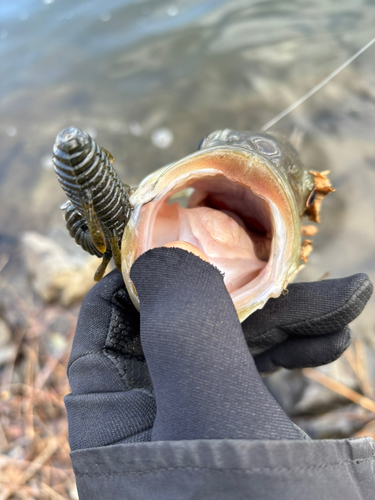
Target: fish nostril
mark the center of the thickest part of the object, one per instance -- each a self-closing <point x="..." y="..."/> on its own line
<point x="201" y="144"/>
<point x="311" y="198"/>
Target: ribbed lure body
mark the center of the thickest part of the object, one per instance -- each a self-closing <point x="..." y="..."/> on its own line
<point x="98" y="208"/>
<point x="77" y="227"/>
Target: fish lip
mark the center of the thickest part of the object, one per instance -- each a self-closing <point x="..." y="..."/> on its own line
<point x="151" y="188"/>
<point x="134" y="198"/>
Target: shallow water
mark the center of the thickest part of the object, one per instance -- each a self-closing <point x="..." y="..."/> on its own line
<point x="149" y="79"/>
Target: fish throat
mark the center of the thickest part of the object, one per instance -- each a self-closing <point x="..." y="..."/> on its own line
<point x="222" y="222"/>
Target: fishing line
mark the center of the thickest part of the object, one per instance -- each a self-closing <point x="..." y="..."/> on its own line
<point x="311" y="92"/>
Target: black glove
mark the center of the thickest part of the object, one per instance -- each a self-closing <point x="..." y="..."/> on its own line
<point x="205" y="382"/>
<point x="309" y="325"/>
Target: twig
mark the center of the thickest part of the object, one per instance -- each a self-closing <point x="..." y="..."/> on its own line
<point x="37" y="463"/>
<point x="47" y="371"/>
<point x="62" y="474"/>
<point x="341" y="389"/>
<point x="3" y="438"/>
<point x="362" y="369"/>
<point x="53" y="493"/>
<point x="4" y="259"/>
<point x="52" y="363"/>
<point x="351" y="359"/>
<point x="8" y="377"/>
<point x="324" y="276"/>
<point x="367" y="430"/>
<point x="28" y="409"/>
<point x="44" y="394"/>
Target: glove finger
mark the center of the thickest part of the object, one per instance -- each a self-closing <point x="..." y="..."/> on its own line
<point x="105" y="369"/>
<point x="205" y="381"/>
<point x="309" y="309"/>
<point x="297" y="352"/>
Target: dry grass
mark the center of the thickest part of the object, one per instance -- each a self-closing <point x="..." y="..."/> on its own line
<point x="343" y="390"/>
<point x="34" y="460"/>
<point x="356" y="358"/>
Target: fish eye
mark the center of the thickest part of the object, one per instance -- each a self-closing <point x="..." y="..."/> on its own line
<point x="201" y="144"/>
<point x="311" y="198"/>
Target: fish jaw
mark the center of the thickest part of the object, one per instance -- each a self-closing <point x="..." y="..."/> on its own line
<point x="217" y="167"/>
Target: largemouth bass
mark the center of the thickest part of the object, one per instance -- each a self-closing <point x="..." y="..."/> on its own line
<point x="245" y="196"/>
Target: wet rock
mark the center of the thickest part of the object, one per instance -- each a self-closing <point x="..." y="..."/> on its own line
<point x="54" y="275"/>
<point x="162" y="137"/>
<point x="56" y="343"/>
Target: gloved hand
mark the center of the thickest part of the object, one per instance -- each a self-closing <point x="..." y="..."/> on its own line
<point x="203" y="375"/>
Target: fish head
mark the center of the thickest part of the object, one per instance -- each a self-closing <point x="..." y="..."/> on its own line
<point x="244" y="197"/>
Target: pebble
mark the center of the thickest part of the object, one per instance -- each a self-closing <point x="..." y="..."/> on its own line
<point x="172" y="10"/>
<point x="46" y="162"/>
<point x="162" y="137"/>
<point x="11" y="131"/>
<point x="136" y="129"/>
<point x="105" y="17"/>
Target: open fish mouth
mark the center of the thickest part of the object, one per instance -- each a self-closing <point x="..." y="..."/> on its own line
<point x="240" y="215"/>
